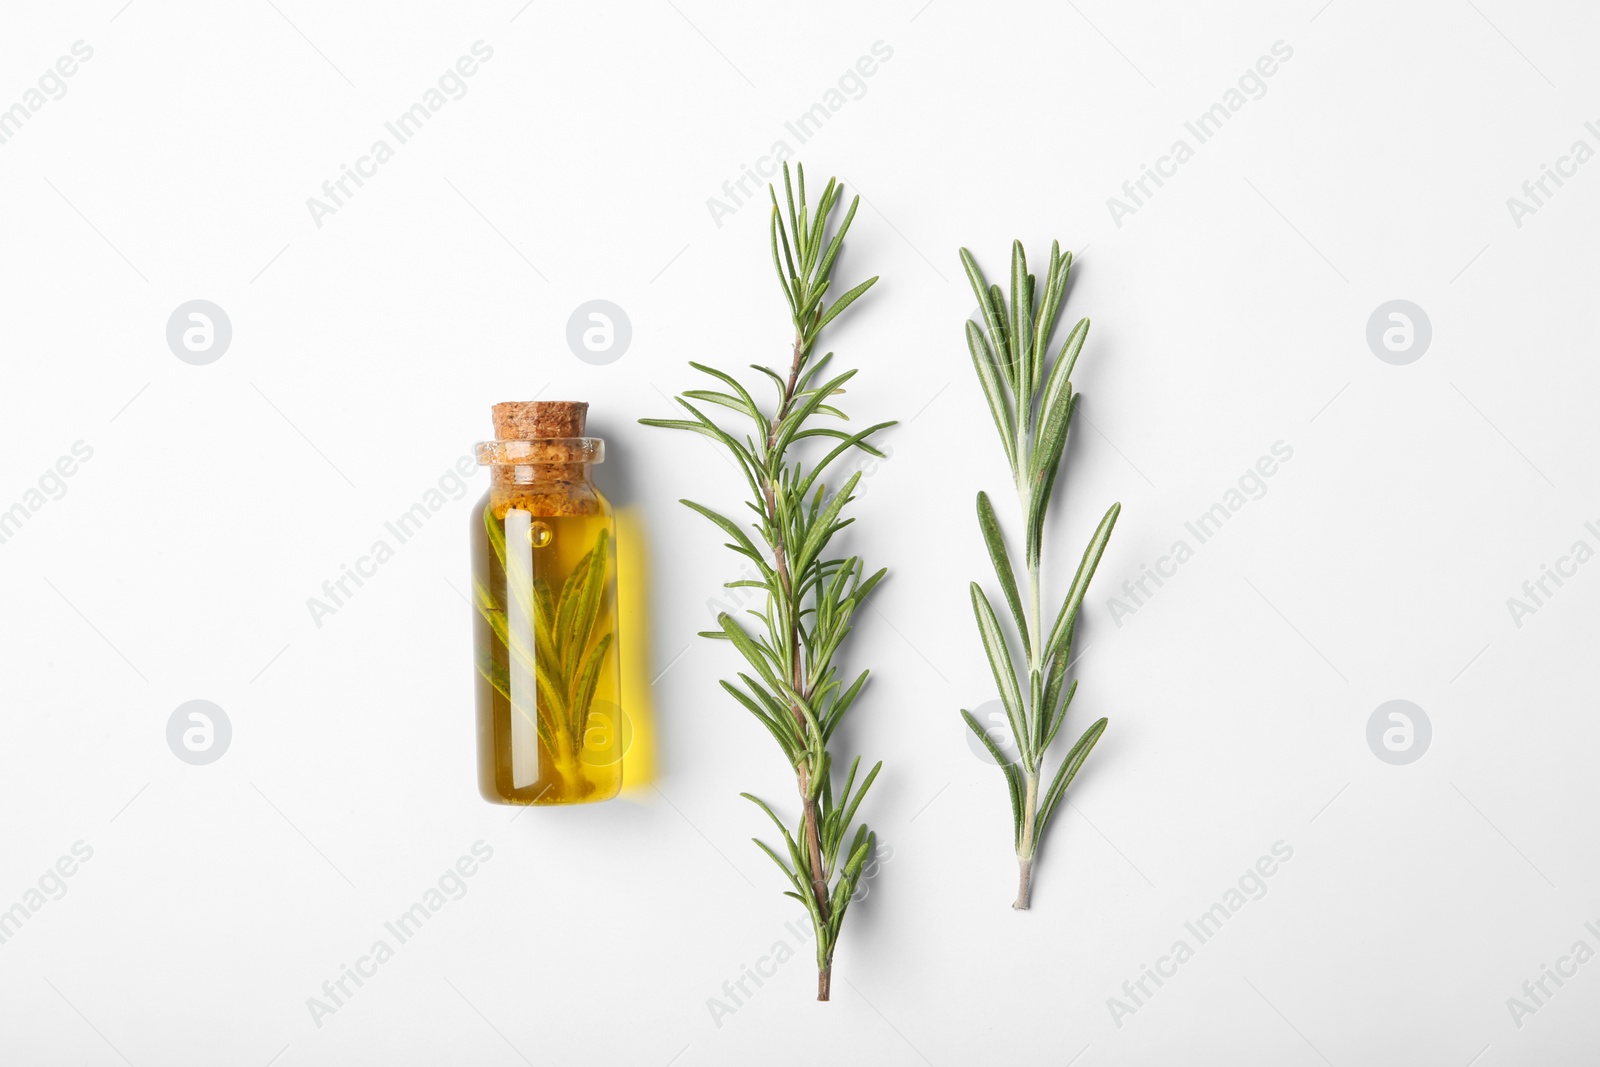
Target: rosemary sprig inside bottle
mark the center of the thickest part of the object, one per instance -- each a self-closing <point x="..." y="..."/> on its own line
<point x="1033" y="411"/>
<point x="552" y="646"/>
<point x="795" y="690"/>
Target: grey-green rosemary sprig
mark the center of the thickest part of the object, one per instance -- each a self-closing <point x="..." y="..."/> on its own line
<point x="1032" y="407"/>
<point x="795" y="690"/>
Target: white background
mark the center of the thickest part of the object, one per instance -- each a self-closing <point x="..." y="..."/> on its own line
<point x="1230" y="313"/>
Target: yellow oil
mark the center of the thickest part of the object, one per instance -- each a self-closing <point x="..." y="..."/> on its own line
<point x="548" y="733"/>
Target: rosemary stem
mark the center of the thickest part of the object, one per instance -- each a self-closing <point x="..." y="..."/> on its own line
<point x="797" y="678"/>
<point x="1026" y="846"/>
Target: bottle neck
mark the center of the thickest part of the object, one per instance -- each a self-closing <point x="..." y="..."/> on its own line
<point x="545" y="476"/>
<point x="534" y="475"/>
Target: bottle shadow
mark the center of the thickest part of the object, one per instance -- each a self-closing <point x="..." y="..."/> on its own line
<point x="641" y="747"/>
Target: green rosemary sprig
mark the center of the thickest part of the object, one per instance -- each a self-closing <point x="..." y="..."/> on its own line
<point x="795" y="690"/>
<point x="1032" y="407"/>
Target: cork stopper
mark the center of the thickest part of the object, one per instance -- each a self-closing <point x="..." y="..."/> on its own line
<point x="534" y="420"/>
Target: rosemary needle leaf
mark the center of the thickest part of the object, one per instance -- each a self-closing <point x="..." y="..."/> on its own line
<point x="783" y="279"/>
<point x="845" y="301"/>
<point x="850" y="809"/>
<point x="794" y="879"/>
<point x="742" y="543"/>
<point x="1022" y="325"/>
<point x="1002" y="347"/>
<point x="1002" y="566"/>
<point x="1060" y="713"/>
<point x="832" y="253"/>
<point x="983" y="736"/>
<point x="1061" y="373"/>
<point x="1005" y="674"/>
<point x="989" y="376"/>
<point x="1080" y="582"/>
<point x="1069" y="770"/>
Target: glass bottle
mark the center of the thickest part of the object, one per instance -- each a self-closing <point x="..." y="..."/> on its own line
<point x="545" y="613"/>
